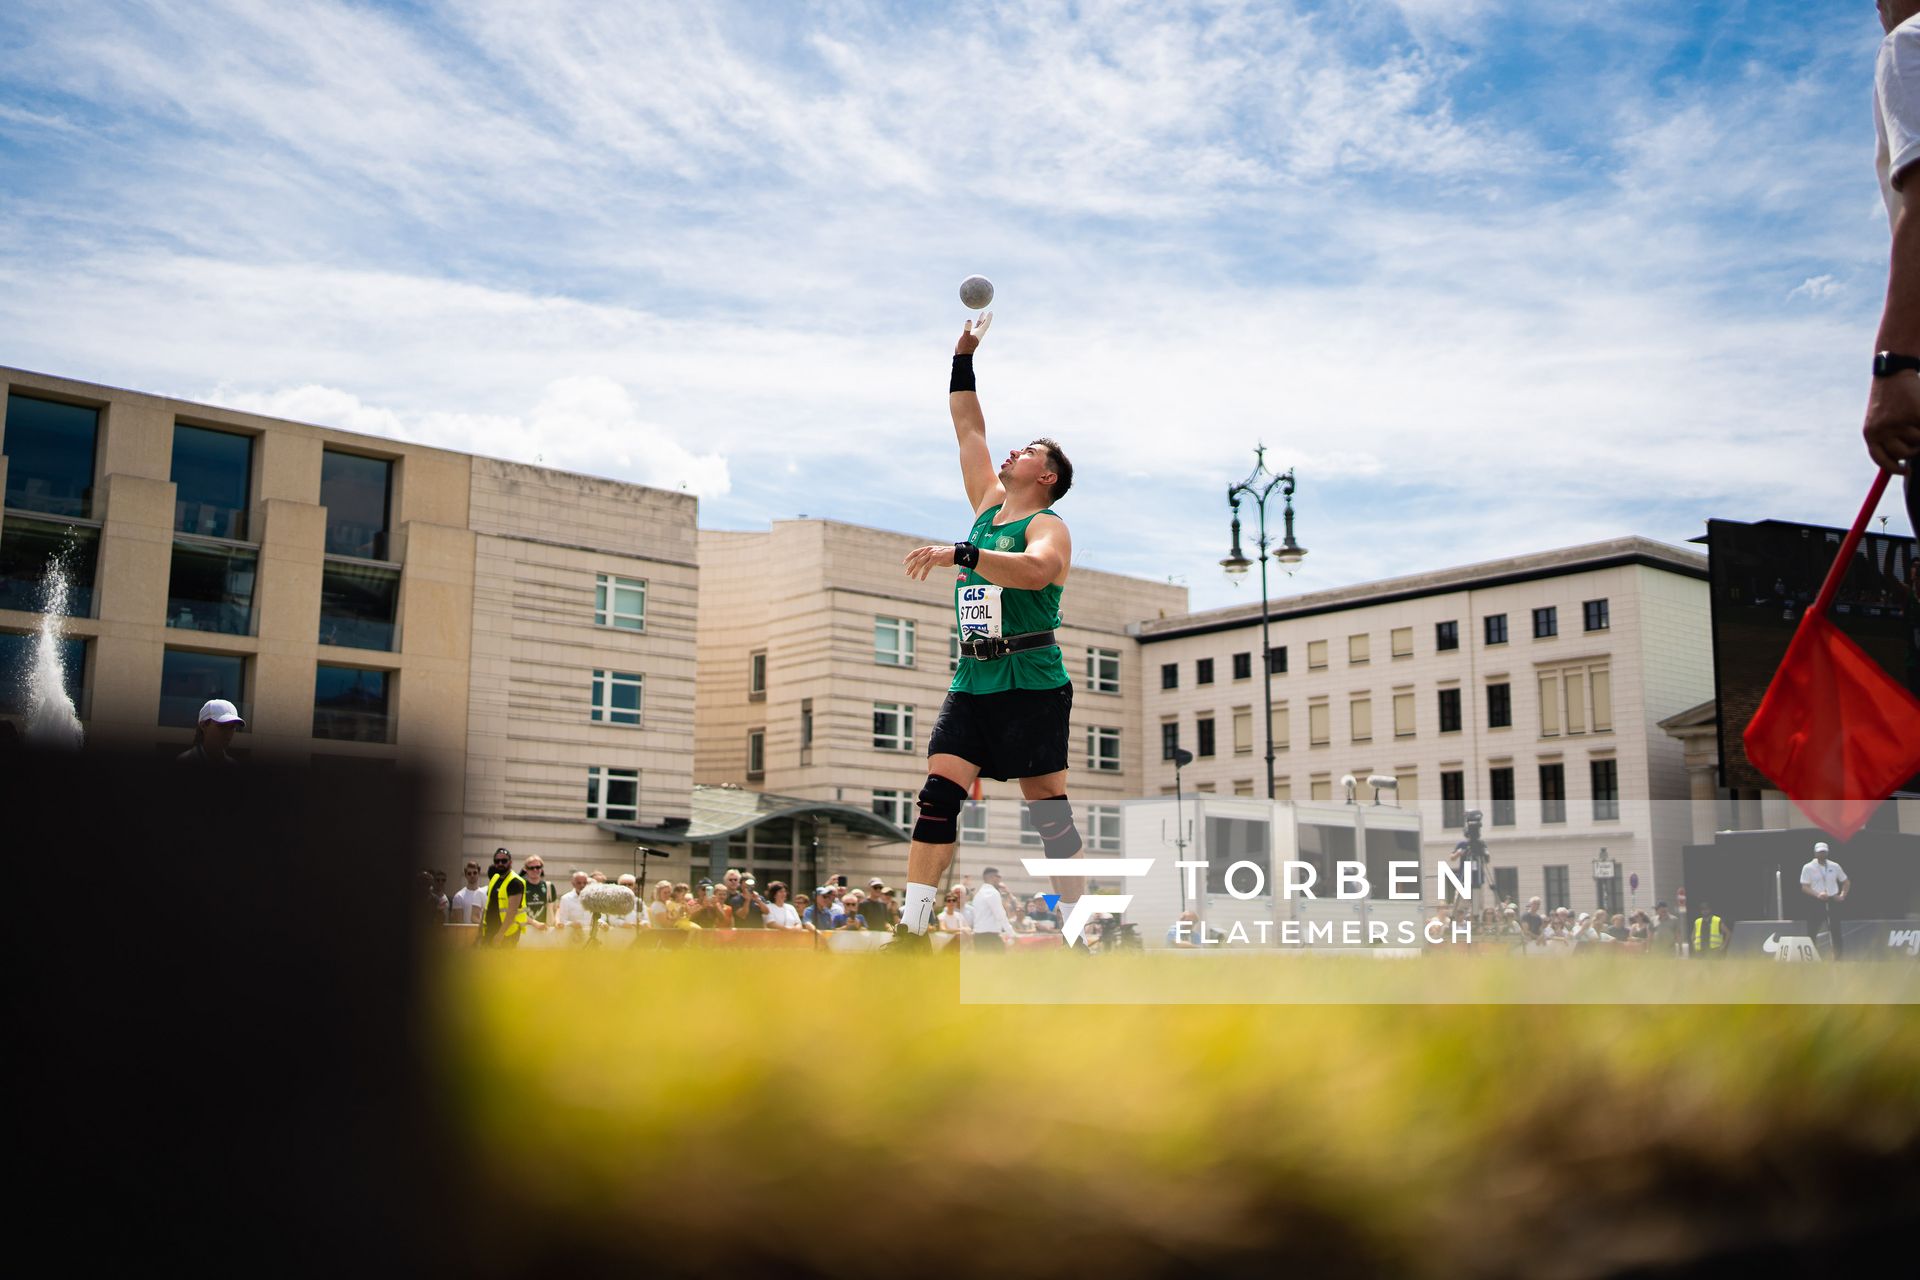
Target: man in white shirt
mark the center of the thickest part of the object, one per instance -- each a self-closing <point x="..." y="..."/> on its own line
<point x="469" y="904"/>
<point x="572" y="914"/>
<point x="988" y="911"/>
<point x="636" y="918"/>
<point x="1892" y="427"/>
<point x="1825" y="883"/>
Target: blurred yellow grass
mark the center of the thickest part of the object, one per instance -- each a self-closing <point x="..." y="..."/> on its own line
<point x="824" y="1096"/>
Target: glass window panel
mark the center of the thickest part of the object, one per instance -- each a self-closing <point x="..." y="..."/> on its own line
<point x="1453" y="799"/>
<point x="1557" y="895"/>
<point x="1242" y="666"/>
<point x="188" y="680"/>
<point x="1169" y="739"/>
<point x="1277" y="660"/>
<point x="1499" y="706"/>
<point x="1446" y="635"/>
<point x="613" y="794"/>
<point x="1103" y="828"/>
<point x="352" y="703"/>
<point x="1169" y="675"/>
<point x="1496" y="625"/>
<point x="1449" y="711"/>
<point x="1553" y="793"/>
<point x="616" y="697"/>
<point x="1203" y="671"/>
<point x="28" y="549"/>
<point x="358" y="605"/>
<point x="18" y="654"/>
<point x="212" y="472"/>
<point x="50" y="450"/>
<point x="210" y="588"/>
<point x="1501" y="784"/>
<point x="1203" y="734"/>
<point x="973" y="822"/>
<point x="355" y="492"/>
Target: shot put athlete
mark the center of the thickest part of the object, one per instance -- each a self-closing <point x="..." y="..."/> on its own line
<point x="1006" y="712"/>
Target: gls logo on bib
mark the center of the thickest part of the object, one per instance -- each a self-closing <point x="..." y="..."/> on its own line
<point x="979" y="612"/>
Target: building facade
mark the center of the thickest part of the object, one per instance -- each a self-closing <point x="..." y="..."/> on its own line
<point x="823" y="666"/>
<point x="1531" y="689"/>
<point x="524" y="635"/>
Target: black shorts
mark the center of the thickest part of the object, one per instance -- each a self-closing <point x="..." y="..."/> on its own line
<point x="1021" y="733"/>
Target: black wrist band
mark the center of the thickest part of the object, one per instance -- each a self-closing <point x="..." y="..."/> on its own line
<point x="962" y="374"/>
<point x="965" y="554"/>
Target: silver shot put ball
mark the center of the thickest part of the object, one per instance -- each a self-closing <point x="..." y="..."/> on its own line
<point x="976" y="291"/>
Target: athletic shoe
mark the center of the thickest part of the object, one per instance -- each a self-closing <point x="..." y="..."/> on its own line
<point x="908" y="943"/>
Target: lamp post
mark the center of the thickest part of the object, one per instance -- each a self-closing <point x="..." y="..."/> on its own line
<point x="1259" y="486"/>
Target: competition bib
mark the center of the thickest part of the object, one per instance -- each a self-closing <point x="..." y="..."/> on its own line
<point x="979" y="607"/>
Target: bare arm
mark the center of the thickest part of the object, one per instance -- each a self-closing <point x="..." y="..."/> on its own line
<point x="1049" y="553"/>
<point x="1893" y="403"/>
<point x="970" y="430"/>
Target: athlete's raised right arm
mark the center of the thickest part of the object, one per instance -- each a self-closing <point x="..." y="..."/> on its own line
<point x="970" y="425"/>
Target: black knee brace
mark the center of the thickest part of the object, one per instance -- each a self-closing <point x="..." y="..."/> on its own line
<point x="940" y="802"/>
<point x="1053" y="819"/>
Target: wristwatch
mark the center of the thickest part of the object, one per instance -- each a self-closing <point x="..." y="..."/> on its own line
<point x="1886" y="364"/>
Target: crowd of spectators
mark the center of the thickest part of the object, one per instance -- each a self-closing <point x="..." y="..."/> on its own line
<point x="1564" y="930"/>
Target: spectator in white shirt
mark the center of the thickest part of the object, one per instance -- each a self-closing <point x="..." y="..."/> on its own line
<point x="780" y="914"/>
<point x="954" y="918"/>
<point x="991" y="928"/>
<point x="469" y="904"/>
<point x="1826" y="884"/>
<point x="572" y="914"/>
<point x="634" y="919"/>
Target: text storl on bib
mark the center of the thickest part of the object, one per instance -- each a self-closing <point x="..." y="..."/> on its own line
<point x="979" y="609"/>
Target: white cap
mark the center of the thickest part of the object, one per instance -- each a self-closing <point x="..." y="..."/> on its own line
<point x="219" y="711"/>
<point x="1821" y="847"/>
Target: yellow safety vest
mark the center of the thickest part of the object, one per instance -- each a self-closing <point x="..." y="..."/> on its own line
<point x="1712" y="926"/>
<point x="516" y="924"/>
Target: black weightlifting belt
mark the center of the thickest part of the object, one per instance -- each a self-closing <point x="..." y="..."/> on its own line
<point x="987" y="650"/>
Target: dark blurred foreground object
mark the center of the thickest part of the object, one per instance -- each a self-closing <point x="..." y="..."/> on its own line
<point x="218" y="1052"/>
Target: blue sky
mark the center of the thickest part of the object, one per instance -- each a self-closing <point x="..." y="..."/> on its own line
<point x="1493" y="277"/>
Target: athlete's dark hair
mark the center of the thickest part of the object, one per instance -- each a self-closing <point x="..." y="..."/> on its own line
<point x="1059" y="465"/>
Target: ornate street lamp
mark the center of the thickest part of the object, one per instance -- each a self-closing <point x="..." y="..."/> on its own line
<point x="1259" y="486"/>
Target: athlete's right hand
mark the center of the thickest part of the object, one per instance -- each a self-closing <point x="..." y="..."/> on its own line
<point x="970" y="336"/>
<point x="925" y="560"/>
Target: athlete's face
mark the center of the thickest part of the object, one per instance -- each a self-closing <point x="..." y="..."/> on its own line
<point x="1026" y="465"/>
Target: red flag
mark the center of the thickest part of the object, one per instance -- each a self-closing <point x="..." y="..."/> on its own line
<point x="976" y="786"/>
<point x="1835" y="732"/>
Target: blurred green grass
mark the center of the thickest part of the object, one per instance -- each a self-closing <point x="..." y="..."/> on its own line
<point x="705" y="1113"/>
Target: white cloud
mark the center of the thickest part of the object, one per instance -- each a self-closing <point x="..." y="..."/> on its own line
<point x="1816" y="288"/>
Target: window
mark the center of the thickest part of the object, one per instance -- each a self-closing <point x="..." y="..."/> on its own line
<point x="1446" y="635"/>
<point x="1103" y="749"/>
<point x="1496" y="625"/>
<point x="1280" y="728"/>
<point x="1500" y="784"/>
<point x="1319" y="721"/>
<point x="1595" y="614"/>
<point x="1553" y="793"/>
<point x="1029" y="835"/>
<point x="613" y="795"/>
<point x="893" y="642"/>
<point x="1319" y="787"/>
<point x="1316" y="655"/>
<point x="806" y="731"/>
<point x="1359" y="650"/>
<point x="19" y="653"/>
<point x="1203" y="730"/>
<point x="1449" y="711"/>
<point x="1243" y="731"/>
<point x="1243" y="787"/>
<point x="893" y="805"/>
<point x="1407" y="790"/>
<point x="1103" y="670"/>
<point x="1453" y="798"/>
<point x="1403" y="714"/>
<point x="757" y="674"/>
<point x="50" y="451"/>
<point x="619" y="602"/>
<point x="892" y="726"/>
<point x="1546" y="622"/>
<point x="1169" y="738"/>
<point x="1277" y="660"/>
<point x="616" y="697"/>
<point x="1103" y="828"/>
<point x="1242" y="666"/>
<point x="1169" y="675"/>
<point x="1506" y="883"/>
<point x="1360" y="719"/>
<point x="212" y="475"/>
<point x="1401" y="640"/>
<point x="358" y="605"/>
<point x="352" y="704"/>
<point x="188" y="680"/>
<point x="1556" y="894"/>
<point x="1574" y="698"/>
<point x="210" y="588"/>
<point x="1499" y="706"/>
<point x="28" y="550"/>
<point x="357" y="493"/>
<point x="1231" y="840"/>
<point x="973" y="822"/>
<point x="1605" y="775"/>
<point x="1203" y="671"/>
<point x="756" y="753"/>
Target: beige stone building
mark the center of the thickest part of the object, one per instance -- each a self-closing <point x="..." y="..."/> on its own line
<point x="526" y="634"/>
<point x="823" y="667"/>
<point x="1532" y="689"/>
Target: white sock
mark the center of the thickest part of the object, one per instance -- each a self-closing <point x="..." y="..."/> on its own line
<point x="919" y="907"/>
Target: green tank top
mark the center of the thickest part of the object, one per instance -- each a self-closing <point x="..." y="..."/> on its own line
<point x="1021" y="612"/>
